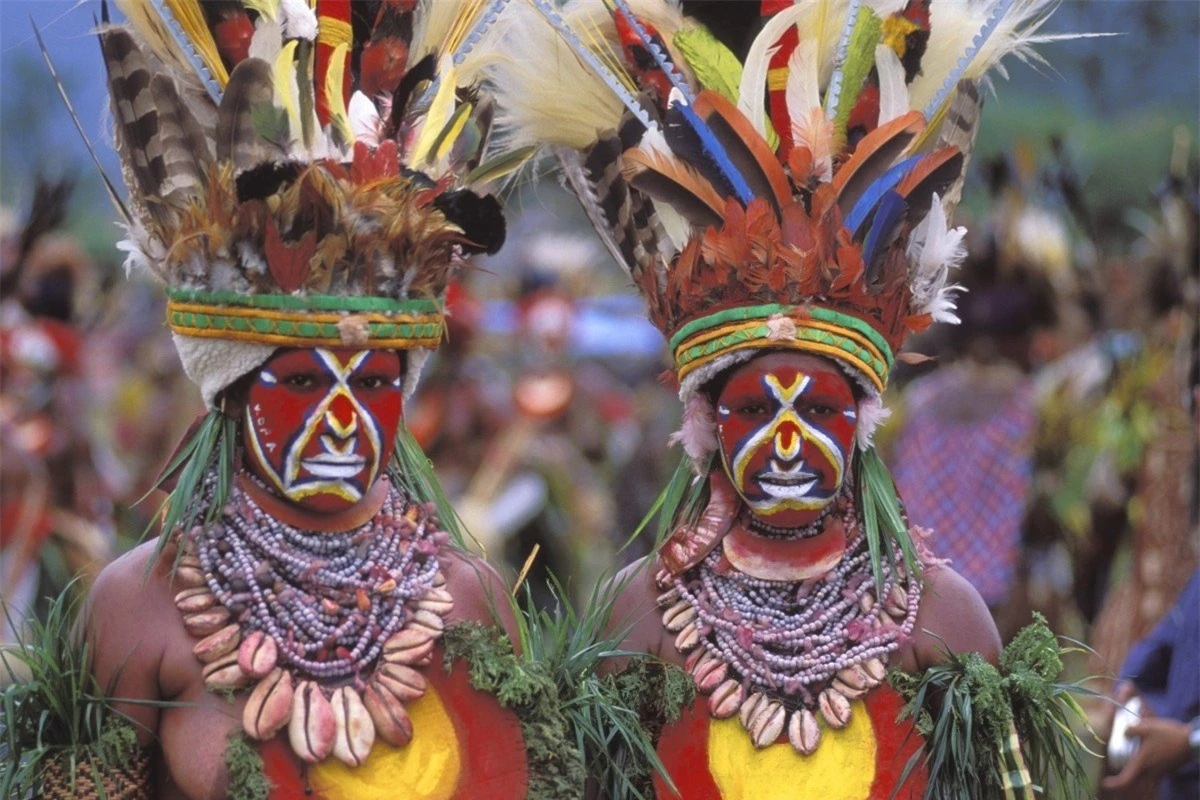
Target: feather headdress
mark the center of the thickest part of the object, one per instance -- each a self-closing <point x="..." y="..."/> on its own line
<point x="300" y="173"/>
<point x="796" y="198"/>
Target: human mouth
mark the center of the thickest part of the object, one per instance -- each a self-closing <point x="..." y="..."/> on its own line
<point x="334" y="467"/>
<point x="785" y="484"/>
<point x="336" y="463"/>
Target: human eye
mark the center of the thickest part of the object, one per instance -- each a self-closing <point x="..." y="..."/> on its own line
<point x="370" y="382"/>
<point x="754" y="408"/>
<point x="301" y="380"/>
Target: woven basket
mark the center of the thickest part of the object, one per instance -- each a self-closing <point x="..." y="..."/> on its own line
<point x="132" y="783"/>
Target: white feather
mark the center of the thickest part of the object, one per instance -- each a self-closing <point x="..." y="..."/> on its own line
<point x="267" y="39"/>
<point x="698" y="433"/>
<point x="299" y="21"/>
<point x="933" y="250"/>
<point x="678" y="230"/>
<point x="653" y="141"/>
<point x="823" y="25"/>
<point x="885" y="8"/>
<point x="954" y="24"/>
<point x="758" y="62"/>
<point x="811" y="126"/>
<point x="364" y="119"/>
<point x="871" y="414"/>
<point x="893" y="91"/>
<point x="803" y="81"/>
<point x="434" y="19"/>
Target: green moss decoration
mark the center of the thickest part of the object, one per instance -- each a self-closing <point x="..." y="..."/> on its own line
<point x="966" y="707"/>
<point x="117" y="747"/>
<point x="556" y="770"/>
<point x="657" y="692"/>
<point x="247" y="775"/>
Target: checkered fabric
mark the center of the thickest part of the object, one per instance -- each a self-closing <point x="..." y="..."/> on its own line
<point x="968" y="481"/>
<point x="1015" y="778"/>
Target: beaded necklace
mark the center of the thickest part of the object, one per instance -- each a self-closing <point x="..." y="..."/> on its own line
<point x="783" y="655"/>
<point x="329" y="628"/>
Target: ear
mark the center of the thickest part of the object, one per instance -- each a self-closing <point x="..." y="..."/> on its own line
<point x="232" y="399"/>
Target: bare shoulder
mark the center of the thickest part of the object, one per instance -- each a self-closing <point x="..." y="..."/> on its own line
<point x="953" y="616"/>
<point x="480" y="594"/>
<point x="129" y="617"/>
<point x="126" y="592"/>
<point x="634" y="619"/>
<point x="633" y="595"/>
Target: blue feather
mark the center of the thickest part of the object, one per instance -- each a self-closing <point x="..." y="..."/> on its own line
<point x="547" y="9"/>
<point x="891" y="207"/>
<point x="713" y="150"/>
<point x="862" y="209"/>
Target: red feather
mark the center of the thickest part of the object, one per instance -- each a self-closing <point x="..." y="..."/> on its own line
<point x="288" y="263"/>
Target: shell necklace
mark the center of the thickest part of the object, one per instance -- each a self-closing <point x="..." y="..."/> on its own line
<point x="330" y="629"/>
<point x="786" y="655"/>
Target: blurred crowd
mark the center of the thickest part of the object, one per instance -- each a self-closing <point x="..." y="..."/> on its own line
<point x="1049" y="441"/>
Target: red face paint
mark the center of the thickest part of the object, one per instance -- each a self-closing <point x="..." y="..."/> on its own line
<point x="786" y="423"/>
<point x="321" y="424"/>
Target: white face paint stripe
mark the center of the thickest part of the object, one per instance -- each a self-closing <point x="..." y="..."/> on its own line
<point x="268" y="378"/>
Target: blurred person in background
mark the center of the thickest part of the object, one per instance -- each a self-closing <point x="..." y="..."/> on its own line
<point x="55" y="502"/>
<point x="1162" y="671"/>
<point x="963" y="453"/>
<point x="544" y="481"/>
<point x="1160" y="548"/>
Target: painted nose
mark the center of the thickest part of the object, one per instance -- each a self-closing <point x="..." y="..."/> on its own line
<point x="341" y="418"/>
<point x="788" y="441"/>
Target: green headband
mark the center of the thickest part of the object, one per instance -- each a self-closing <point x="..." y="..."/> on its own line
<point x="812" y="329"/>
<point x="306" y="321"/>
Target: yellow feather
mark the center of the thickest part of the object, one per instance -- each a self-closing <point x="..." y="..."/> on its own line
<point x="439" y="113"/>
<point x="544" y="93"/>
<point x="284" y="78"/>
<point x="449" y="134"/>
<point x="190" y="17"/>
<point x="335" y="101"/>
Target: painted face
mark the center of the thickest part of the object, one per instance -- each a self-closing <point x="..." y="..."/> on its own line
<point x="321" y="424"/>
<point x="786" y="423"/>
